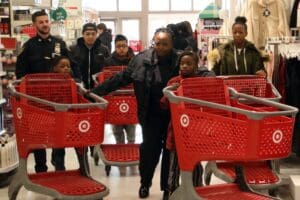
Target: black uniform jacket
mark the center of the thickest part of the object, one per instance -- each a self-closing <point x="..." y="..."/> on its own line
<point x="37" y="54"/>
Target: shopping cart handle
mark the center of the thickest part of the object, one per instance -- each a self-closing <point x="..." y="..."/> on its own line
<point x="256" y="115"/>
<point x="100" y="102"/>
<point x="122" y="92"/>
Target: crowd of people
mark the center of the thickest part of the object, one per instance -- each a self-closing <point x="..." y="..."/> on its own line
<point x="172" y="57"/>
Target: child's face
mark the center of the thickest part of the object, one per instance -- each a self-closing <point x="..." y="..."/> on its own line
<point x="121" y="48"/>
<point x="63" y="66"/>
<point x="187" y="66"/>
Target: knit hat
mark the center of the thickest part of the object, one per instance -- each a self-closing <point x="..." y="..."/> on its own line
<point x="89" y="27"/>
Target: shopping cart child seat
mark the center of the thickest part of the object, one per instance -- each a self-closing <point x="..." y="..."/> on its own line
<point x="50" y="112"/>
<point x="262" y="174"/>
<point x="121" y="109"/>
<point x="236" y="132"/>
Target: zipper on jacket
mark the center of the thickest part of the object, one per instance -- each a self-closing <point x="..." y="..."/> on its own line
<point x="89" y="70"/>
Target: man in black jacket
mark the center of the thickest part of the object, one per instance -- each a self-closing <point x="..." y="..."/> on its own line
<point x="89" y="54"/>
<point x="149" y="72"/>
<point x="105" y="36"/>
<point x="121" y="57"/>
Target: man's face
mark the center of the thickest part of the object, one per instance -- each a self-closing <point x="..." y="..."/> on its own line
<point x="89" y="37"/>
<point x="42" y="24"/>
<point x="121" y="48"/>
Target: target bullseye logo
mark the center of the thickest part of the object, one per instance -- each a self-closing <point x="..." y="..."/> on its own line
<point x="19" y="113"/>
<point x="84" y="126"/>
<point x="277" y="136"/>
<point x="124" y="107"/>
<point x="184" y="120"/>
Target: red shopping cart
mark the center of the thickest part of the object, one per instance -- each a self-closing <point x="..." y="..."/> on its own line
<point x="208" y="128"/>
<point x="49" y="113"/>
<point x="121" y="109"/>
<point x="262" y="174"/>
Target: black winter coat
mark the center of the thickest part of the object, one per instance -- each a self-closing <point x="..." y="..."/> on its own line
<point x="37" y="54"/>
<point x="89" y="61"/>
<point x="140" y="71"/>
<point x="106" y="39"/>
<point x="114" y="60"/>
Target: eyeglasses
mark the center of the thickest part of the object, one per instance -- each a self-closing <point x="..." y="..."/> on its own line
<point x="121" y="46"/>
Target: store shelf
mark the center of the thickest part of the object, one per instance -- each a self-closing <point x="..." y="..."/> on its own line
<point x="2" y="132"/>
<point x="22" y="22"/>
<point x="4" y="35"/>
<point x="4" y="16"/>
<point x="9" y="168"/>
<point x="3" y="73"/>
<point x="2" y="101"/>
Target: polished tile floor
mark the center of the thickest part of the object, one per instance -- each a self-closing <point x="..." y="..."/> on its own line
<point x="122" y="182"/>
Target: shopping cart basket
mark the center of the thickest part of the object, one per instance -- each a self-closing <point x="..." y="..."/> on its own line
<point x="50" y="112"/>
<point x="207" y="128"/>
<point x="121" y="110"/>
<point x="262" y="174"/>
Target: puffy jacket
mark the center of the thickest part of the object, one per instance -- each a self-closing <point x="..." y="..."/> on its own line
<point x="106" y="39"/>
<point x="89" y="61"/>
<point x="115" y="60"/>
<point x="140" y="71"/>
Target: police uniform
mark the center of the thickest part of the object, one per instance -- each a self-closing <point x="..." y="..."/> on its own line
<point x="36" y="57"/>
<point x="37" y="54"/>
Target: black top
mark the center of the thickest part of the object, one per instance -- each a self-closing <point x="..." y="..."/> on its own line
<point x="115" y="60"/>
<point x="37" y="54"/>
<point x="89" y="60"/>
<point x="106" y="39"/>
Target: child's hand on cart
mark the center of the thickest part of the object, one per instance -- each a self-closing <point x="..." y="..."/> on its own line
<point x="261" y="73"/>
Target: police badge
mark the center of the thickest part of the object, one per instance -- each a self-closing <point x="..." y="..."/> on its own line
<point x="57" y="49"/>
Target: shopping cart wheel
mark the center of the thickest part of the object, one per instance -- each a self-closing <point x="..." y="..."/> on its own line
<point x="207" y="177"/>
<point x="273" y="192"/>
<point x="107" y="169"/>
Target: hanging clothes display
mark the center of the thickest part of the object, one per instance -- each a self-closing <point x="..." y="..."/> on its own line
<point x="265" y="18"/>
<point x="288" y="84"/>
<point x="295" y="15"/>
<point x="292" y="97"/>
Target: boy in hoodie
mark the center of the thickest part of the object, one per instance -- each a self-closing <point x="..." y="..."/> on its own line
<point x="89" y="55"/>
<point x="121" y="57"/>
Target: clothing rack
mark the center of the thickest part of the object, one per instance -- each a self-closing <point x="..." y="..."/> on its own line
<point x="289" y="45"/>
<point x="211" y="38"/>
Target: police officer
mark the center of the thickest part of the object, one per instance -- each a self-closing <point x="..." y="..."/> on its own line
<point x="36" y="57"/>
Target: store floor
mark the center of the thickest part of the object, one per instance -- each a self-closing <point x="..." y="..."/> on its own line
<point x="123" y="183"/>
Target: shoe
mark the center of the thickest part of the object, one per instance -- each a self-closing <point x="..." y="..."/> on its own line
<point x="166" y="195"/>
<point x="143" y="192"/>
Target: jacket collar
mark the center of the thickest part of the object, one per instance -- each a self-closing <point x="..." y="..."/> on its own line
<point x="265" y="3"/>
<point x="151" y="58"/>
<point x="40" y="39"/>
<point x="80" y="42"/>
<point x="248" y="45"/>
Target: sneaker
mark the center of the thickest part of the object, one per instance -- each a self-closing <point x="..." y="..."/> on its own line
<point x="143" y="192"/>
